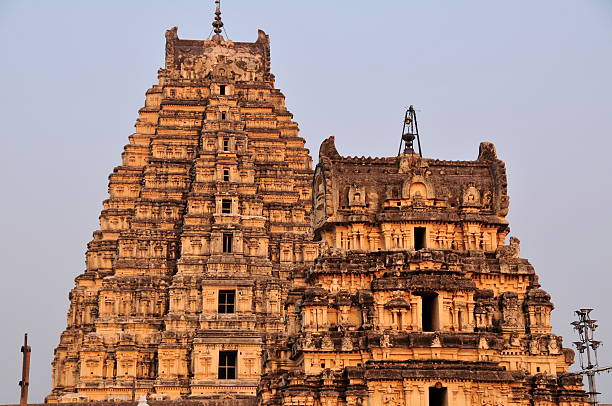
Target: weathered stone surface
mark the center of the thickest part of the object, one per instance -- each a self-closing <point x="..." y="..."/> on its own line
<point x="415" y="297"/>
<point x="225" y="271"/>
<point x="215" y="161"/>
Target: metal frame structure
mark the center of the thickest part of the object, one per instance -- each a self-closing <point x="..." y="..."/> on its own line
<point x="587" y="351"/>
<point x="410" y="132"/>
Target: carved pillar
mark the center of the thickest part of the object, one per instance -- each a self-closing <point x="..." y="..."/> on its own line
<point x="406" y="393"/>
<point x="455" y="394"/>
<point x="414" y="396"/>
<point x="470" y="316"/>
<point x="371" y="393"/>
<point x="375" y="245"/>
<point x="414" y="310"/>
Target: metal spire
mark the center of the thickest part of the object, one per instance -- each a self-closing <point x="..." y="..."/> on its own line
<point x="410" y="132"/>
<point x="217" y="23"/>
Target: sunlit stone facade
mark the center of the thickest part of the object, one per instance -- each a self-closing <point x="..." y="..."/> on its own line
<point x="416" y="298"/>
<point x="206" y="216"/>
<point x="226" y="268"/>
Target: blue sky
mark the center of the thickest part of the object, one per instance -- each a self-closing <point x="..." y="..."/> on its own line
<point x="532" y="77"/>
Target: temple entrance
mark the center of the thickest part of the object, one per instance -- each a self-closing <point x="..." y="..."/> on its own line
<point x="437" y="396"/>
<point x="419" y="238"/>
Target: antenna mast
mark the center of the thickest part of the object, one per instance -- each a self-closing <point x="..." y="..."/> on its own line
<point x="588" y="346"/>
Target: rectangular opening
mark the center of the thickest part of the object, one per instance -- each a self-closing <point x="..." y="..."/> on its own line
<point x="437" y="396"/>
<point x="222" y="90"/>
<point x="419" y="238"/>
<point x="429" y="311"/>
<point x="223" y="115"/>
<point x="227" y="242"/>
<point x="226" y="206"/>
<point x="227" y="300"/>
<point x="226" y="177"/>
<point x="227" y="364"/>
<point x="225" y="144"/>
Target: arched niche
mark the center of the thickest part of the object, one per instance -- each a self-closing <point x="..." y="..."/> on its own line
<point x="471" y="196"/>
<point x="416" y="186"/>
<point x="417" y="190"/>
<point x="356" y="196"/>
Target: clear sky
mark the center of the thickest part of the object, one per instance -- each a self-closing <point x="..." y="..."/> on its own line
<point x="534" y="77"/>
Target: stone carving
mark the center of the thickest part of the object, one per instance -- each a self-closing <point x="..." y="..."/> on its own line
<point x="319" y="206"/>
<point x="153" y="268"/>
<point x="385" y="341"/>
<point x="553" y="346"/>
<point x="435" y="342"/>
<point x="487" y="200"/>
<point x="202" y="281"/>
<point x="515" y="341"/>
<point x="471" y="196"/>
<point x="568" y="355"/>
<point x="511" y="311"/>
<point x="327" y="343"/>
<point x="534" y="346"/>
<point x="510" y="251"/>
<point x="487" y="152"/>
<point x="347" y="344"/>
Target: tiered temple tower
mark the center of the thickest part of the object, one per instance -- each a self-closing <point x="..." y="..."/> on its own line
<point x="415" y="298"/>
<point x="185" y="279"/>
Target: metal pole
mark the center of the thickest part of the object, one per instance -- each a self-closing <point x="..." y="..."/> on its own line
<point x="416" y="130"/>
<point x="403" y="131"/>
<point x="586" y="327"/>
<point x="25" y="371"/>
<point x="592" y="390"/>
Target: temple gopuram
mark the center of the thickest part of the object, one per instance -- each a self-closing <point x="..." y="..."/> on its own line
<point x="415" y="297"/>
<point x="207" y="215"/>
<point x="226" y="271"/>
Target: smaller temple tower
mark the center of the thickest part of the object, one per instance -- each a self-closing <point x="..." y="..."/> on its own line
<point x="416" y="297"/>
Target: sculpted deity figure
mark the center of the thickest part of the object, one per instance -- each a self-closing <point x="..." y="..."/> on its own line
<point x="327" y="343"/>
<point x="308" y="344"/>
<point x="385" y="341"/>
<point x="347" y="343"/>
<point x="335" y="286"/>
<point x="553" y="346"/>
<point x="486" y="200"/>
<point x="534" y="347"/>
<point x="515" y="340"/>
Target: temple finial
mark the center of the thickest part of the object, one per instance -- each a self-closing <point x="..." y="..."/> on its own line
<point x="217" y="23"/>
<point x="410" y="132"/>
